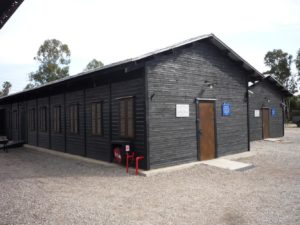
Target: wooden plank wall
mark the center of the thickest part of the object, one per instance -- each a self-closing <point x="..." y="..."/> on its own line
<point x="98" y="147"/>
<point x="7" y="119"/>
<point x="135" y="88"/>
<point x="83" y="95"/>
<point x="179" y="78"/>
<point x="15" y="124"/>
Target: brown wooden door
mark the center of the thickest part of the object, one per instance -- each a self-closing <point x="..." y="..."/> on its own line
<point x="207" y="142"/>
<point x="265" y="123"/>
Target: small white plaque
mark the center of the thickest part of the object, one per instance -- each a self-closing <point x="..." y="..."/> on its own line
<point x="182" y="110"/>
<point x="256" y="113"/>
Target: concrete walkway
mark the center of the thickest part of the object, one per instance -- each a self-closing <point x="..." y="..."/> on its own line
<point x="222" y="162"/>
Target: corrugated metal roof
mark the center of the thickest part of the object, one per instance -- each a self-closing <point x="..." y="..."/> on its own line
<point x="213" y="39"/>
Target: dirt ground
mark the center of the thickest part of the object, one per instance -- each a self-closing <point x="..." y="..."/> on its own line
<point x="40" y="188"/>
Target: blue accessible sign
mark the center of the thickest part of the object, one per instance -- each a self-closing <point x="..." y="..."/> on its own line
<point x="273" y="112"/>
<point x="226" y="109"/>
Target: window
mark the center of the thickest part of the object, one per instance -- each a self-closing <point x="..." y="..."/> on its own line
<point x="97" y="118"/>
<point x="56" y="119"/>
<point x="74" y="119"/>
<point x="15" y="119"/>
<point x="32" y="119"/>
<point x="126" y="117"/>
<point x="43" y="119"/>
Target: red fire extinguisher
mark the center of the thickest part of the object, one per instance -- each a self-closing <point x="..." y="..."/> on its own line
<point x="117" y="155"/>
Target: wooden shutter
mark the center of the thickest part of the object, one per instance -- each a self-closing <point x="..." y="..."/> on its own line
<point x="56" y="118"/>
<point x="97" y="118"/>
<point x="127" y="117"/>
<point x="94" y="119"/>
<point x="122" y="118"/>
<point x="130" y="119"/>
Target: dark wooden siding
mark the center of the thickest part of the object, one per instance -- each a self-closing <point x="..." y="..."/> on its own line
<point x="43" y="136"/>
<point x="15" y="122"/>
<point x="32" y="134"/>
<point x="136" y="88"/>
<point x="75" y="142"/>
<point x="98" y="147"/>
<point x="23" y="122"/>
<point x="8" y="122"/>
<point x="58" y="138"/>
<point x="178" y="79"/>
<point x="263" y="92"/>
<point x="7" y="119"/>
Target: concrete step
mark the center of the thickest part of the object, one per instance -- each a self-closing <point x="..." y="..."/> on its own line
<point x="228" y="164"/>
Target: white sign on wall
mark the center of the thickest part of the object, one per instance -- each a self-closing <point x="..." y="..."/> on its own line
<point x="182" y="110"/>
<point x="256" y="113"/>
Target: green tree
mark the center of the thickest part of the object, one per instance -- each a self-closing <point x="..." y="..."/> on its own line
<point x="292" y="83"/>
<point x="295" y="103"/>
<point x="54" y="59"/>
<point x="5" y="88"/>
<point x="280" y="63"/>
<point x="29" y="86"/>
<point x="94" y="64"/>
<point x="297" y="62"/>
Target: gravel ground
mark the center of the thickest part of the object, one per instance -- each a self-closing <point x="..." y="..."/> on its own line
<point x="40" y="188"/>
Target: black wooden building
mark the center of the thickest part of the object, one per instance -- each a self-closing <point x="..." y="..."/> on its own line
<point x="183" y="103"/>
<point x="266" y="109"/>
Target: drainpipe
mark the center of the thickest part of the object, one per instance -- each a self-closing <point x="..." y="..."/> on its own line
<point x="248" y="116"/>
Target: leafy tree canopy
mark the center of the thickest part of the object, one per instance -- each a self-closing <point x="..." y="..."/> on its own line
<point x="297" y="62"/>
<point x="94" y="64"/>
<point x="295" y="103"/>
<point x="29" y="86"/>
<point x="54" y="59"/>
<point x="5" y="88"/>
<point x="279" y="63"/>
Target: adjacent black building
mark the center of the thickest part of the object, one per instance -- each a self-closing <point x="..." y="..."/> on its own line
<point x="266" y="111"/>
<point x="183" y="103"/>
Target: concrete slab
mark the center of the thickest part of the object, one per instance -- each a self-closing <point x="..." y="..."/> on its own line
<point x="277" y="140"/>
<point x="290" y="125"/>
<point x="239" y="155"/>
<point x="154" y="172"/>
<point x="273" y="139"/>
<point x="228" y="164"/>
<point x="223" y="163"/>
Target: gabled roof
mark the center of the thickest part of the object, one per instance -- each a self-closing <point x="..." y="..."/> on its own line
<point x="276" y="84"/>
<point x="7" y="8"/>
<point x="254" y="74"/>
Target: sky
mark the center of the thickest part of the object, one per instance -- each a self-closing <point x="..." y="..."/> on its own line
<point x="114" y="30"/>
